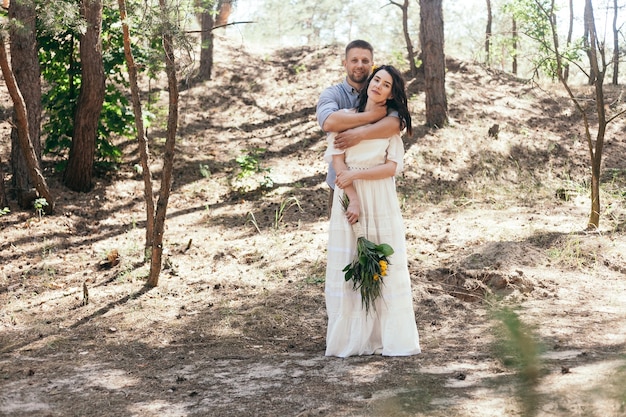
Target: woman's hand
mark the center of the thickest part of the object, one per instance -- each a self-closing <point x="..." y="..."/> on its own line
<point x="345" y="178"/>
<point x="353" y="211"/>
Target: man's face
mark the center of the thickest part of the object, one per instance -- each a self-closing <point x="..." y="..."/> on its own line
<point x="358" y="64"/>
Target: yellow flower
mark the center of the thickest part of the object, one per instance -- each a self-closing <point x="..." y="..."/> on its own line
<point x="383" y="267"/>
<point x="376" y="277"/>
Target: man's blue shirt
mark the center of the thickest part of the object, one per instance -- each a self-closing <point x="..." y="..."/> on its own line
<point x="336" y="97"/>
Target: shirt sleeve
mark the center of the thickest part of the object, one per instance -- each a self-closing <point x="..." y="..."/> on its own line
<point x="395" y="152"/>
<point x="326" y="105"/>
<point x="330" y="149"/>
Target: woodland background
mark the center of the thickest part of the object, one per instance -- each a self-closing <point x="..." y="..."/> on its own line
<point x="519" y="302"/>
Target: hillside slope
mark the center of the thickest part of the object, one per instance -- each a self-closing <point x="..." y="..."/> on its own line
<point x="237" y="324"/>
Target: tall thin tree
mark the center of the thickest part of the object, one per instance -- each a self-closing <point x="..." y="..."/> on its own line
<point x="616" y="31"/>
<point x="488" y="34"/>
<point x="4" y="202"/>
<point x="592" y="76"/>
<point x="570" y="31"/>
<point x="407" y="37"/>
<point x="21" y="116"/>
<point x="214" y="14"/>
<point x="596" y="154"/>
<point x="170" y="143"/>
<point x="595" y="144"/>
<point x="142" y="141"/>
<point x="207" y="20"/>
<point x="515" y="44"/>
<point x="433" y="57"/>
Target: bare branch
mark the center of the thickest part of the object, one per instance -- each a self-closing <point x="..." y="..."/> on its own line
<point x="220" y="26"/>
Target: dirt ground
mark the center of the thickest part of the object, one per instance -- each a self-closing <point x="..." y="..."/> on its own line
<point x="236" y="326"/>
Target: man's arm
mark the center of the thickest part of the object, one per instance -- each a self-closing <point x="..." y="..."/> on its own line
<point x="384" y="128"/>
<point x="341" y="120"/>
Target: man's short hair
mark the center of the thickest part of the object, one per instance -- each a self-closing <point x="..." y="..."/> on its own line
<point x="359" y="43"/>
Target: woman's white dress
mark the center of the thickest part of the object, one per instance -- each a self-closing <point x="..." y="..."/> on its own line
<point x="390" y="328"/>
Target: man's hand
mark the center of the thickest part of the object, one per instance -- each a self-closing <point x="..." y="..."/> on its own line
<point x="348" y="138"/>
<point x="351" y="137"/>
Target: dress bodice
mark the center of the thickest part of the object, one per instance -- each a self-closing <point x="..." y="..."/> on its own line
<point x="369" y="153"/>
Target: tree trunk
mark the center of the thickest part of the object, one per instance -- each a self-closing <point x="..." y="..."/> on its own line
<point x="596" y="155"/>
<point x="26" y="145"/>
<point x="615" y="45"/>
<point x="141" y="137"/>
<point x="168" y="157"/>
<point x="586" y="45"/>
<point x="25" y="64"/>
<point x="568" y="43"/>
<point x="595" y="147"/>
<point x="79" y="171"/>
<point x="407" y="38"/>
<point x="515" y="46"/>
<point x="224" y="8"/>
<point x="206" y="41"/>
<point x="431" y="39"/>
<point x="488" y="34"/>
<point x="4" y="202"/>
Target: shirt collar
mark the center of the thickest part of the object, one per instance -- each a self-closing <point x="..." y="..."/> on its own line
<point x="349" y="88"/>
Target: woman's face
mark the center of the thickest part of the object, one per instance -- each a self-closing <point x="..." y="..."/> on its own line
<point x="379" y="89"/>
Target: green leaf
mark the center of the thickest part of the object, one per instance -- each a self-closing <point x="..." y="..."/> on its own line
<point x="385" y="249"/>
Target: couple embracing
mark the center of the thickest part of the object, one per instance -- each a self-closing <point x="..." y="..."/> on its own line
<point x="369" y="307"/>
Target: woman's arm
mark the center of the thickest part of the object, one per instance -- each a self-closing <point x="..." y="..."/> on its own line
<point x="354" y="207"/>
<point x="345" y="177"/>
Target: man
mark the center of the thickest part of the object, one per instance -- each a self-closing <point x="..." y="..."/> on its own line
<point x="354" y="127"/>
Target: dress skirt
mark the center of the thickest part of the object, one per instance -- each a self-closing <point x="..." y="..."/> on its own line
<point x="389" y="328"/>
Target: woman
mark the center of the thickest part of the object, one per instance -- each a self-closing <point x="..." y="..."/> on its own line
<point x="365" y="173"/>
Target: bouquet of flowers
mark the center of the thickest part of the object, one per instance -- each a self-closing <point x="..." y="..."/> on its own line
<point x="369" y="265"/>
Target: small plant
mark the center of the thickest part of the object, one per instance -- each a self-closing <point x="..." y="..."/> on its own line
<point x="267" y="181"/>
<point x="138" y="169"/>
<point x="249" y="164"/>
<point x="4" y="211"/>
<point x="40" y="204"/>
<point x="251" y="219"/>
<point x="297" y="69"/>
<point x="205" y="171"/>
<point x="285" y="205"/>
<point x="317" y="273"/>
<point x="571" y="252"/>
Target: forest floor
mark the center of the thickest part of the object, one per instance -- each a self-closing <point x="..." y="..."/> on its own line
<point x="496" y="231"/>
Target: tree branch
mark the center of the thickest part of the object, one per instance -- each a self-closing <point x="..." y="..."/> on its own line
<point x="220" y="26"/>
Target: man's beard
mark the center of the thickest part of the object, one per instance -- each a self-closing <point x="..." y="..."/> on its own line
<point x="359" y="79"/>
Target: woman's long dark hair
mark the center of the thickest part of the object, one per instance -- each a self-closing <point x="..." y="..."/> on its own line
<point x="398" y="102"/>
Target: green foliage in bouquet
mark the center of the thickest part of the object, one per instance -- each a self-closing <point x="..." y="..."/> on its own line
<point x="369" y="266"/>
